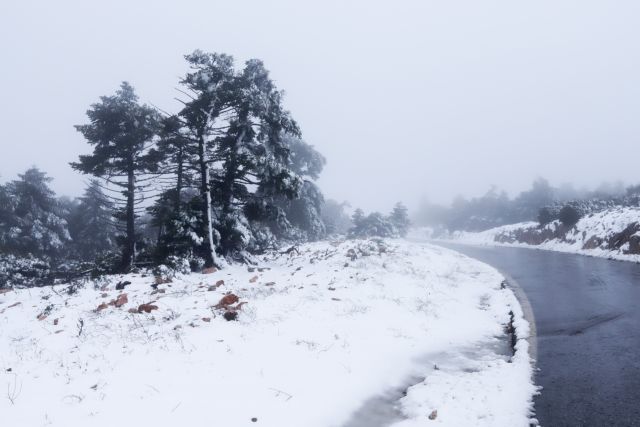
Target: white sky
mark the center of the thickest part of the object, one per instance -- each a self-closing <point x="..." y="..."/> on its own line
<point x="404" y="98"/>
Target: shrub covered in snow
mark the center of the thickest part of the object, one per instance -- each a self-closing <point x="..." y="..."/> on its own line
<point x="569" y="215"/>
<point x="24" y="271"/>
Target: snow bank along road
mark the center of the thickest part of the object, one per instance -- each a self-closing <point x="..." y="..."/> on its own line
<point x="320" y="332"/>
<point x="587" y="313"/>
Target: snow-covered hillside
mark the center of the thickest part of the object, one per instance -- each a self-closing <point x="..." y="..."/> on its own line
<point x="612" y="233"/>
<point x="320" y="334"/>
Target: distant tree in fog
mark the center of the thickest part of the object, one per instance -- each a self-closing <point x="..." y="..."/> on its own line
<point x="91" y="224"/>
<point x="335" y="217"/>
<point x="7" y="217"/>
<point x="400" y="219"/>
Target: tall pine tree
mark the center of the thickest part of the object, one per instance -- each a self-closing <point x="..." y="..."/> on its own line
<point x="254" y="157"/>
<point x="202" y="118"/>
<point x="122" y="133"/>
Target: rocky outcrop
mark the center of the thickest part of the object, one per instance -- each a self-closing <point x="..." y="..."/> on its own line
<point x="534" y="235"/>
<point x="629" y="236"/>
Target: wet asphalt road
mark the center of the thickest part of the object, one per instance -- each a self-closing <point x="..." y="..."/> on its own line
<point x="587" y="314"/>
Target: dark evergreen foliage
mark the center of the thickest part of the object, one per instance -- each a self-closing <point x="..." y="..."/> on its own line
<point x="569" y="215"/>
<point x="548" y="214"/>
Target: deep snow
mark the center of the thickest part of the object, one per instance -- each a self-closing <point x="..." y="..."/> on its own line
<point x="324" y="332"/>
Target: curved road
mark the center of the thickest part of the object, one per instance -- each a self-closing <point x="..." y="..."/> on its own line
<point x="587" y="313"/>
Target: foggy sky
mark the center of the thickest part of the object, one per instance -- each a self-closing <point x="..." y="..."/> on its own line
<point x="405" y="98"/>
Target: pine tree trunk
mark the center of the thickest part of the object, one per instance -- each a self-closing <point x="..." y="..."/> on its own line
<point x="228" y="187"/>
<point x="179" y="184"/>
<point x="129" y="250"/>
<point x="208" y="245"/>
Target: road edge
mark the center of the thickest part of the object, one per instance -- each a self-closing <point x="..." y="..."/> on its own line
<point x="527" y="312"/>
<point x="514" y="286"/>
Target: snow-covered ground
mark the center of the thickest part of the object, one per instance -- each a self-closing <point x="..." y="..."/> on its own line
<point x="590" y="236"/>
<point x="329" y="336"/>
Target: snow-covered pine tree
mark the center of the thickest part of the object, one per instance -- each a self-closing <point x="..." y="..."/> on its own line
<point x="400" y="219"/>
<point x="36" y="224"/>
<point x="122" y="134"/>
<point x="202" y="121"/>
<point x="177" y="229"/>
<point x="302" y="213"/>
<point x="176" y="214"/>
<point x="177" y="153"/>
<point x="373" y="225"/>
<point x="254" y="158"/>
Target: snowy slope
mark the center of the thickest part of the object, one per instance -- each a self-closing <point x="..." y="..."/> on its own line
<point x="592" y="235"/>
<point x="323" y="332"/>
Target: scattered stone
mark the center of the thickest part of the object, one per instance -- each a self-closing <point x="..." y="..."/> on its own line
<point x="254" y="420"/>
<point x="270" y="283"/>
<point x="42" y="316"/>
<point x="206" y="319"/>
<point x="336" y="299"/>
<point x="15" y="305"/>
<point x="227" y="300"/>
<point x="331" y="289"/>
<point x="219" y="283"/>
<point x="121" y="300"/>
<point x="251" y="269"/>
<point x="121" y="285"/>
<point x="102" y="306"/>
<point x="231" y="315"/>
<point x="55" y="322"/>
<point x="104" y="295"/>
<point x="433" y="415"/>
<point x="147" y="308"/>
<point x="159" y="280"/>
<point x="133" y="310"/>
<point x="254" y="279"/>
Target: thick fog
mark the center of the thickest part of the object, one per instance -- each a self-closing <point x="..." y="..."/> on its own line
<point x="405" y="99"/>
